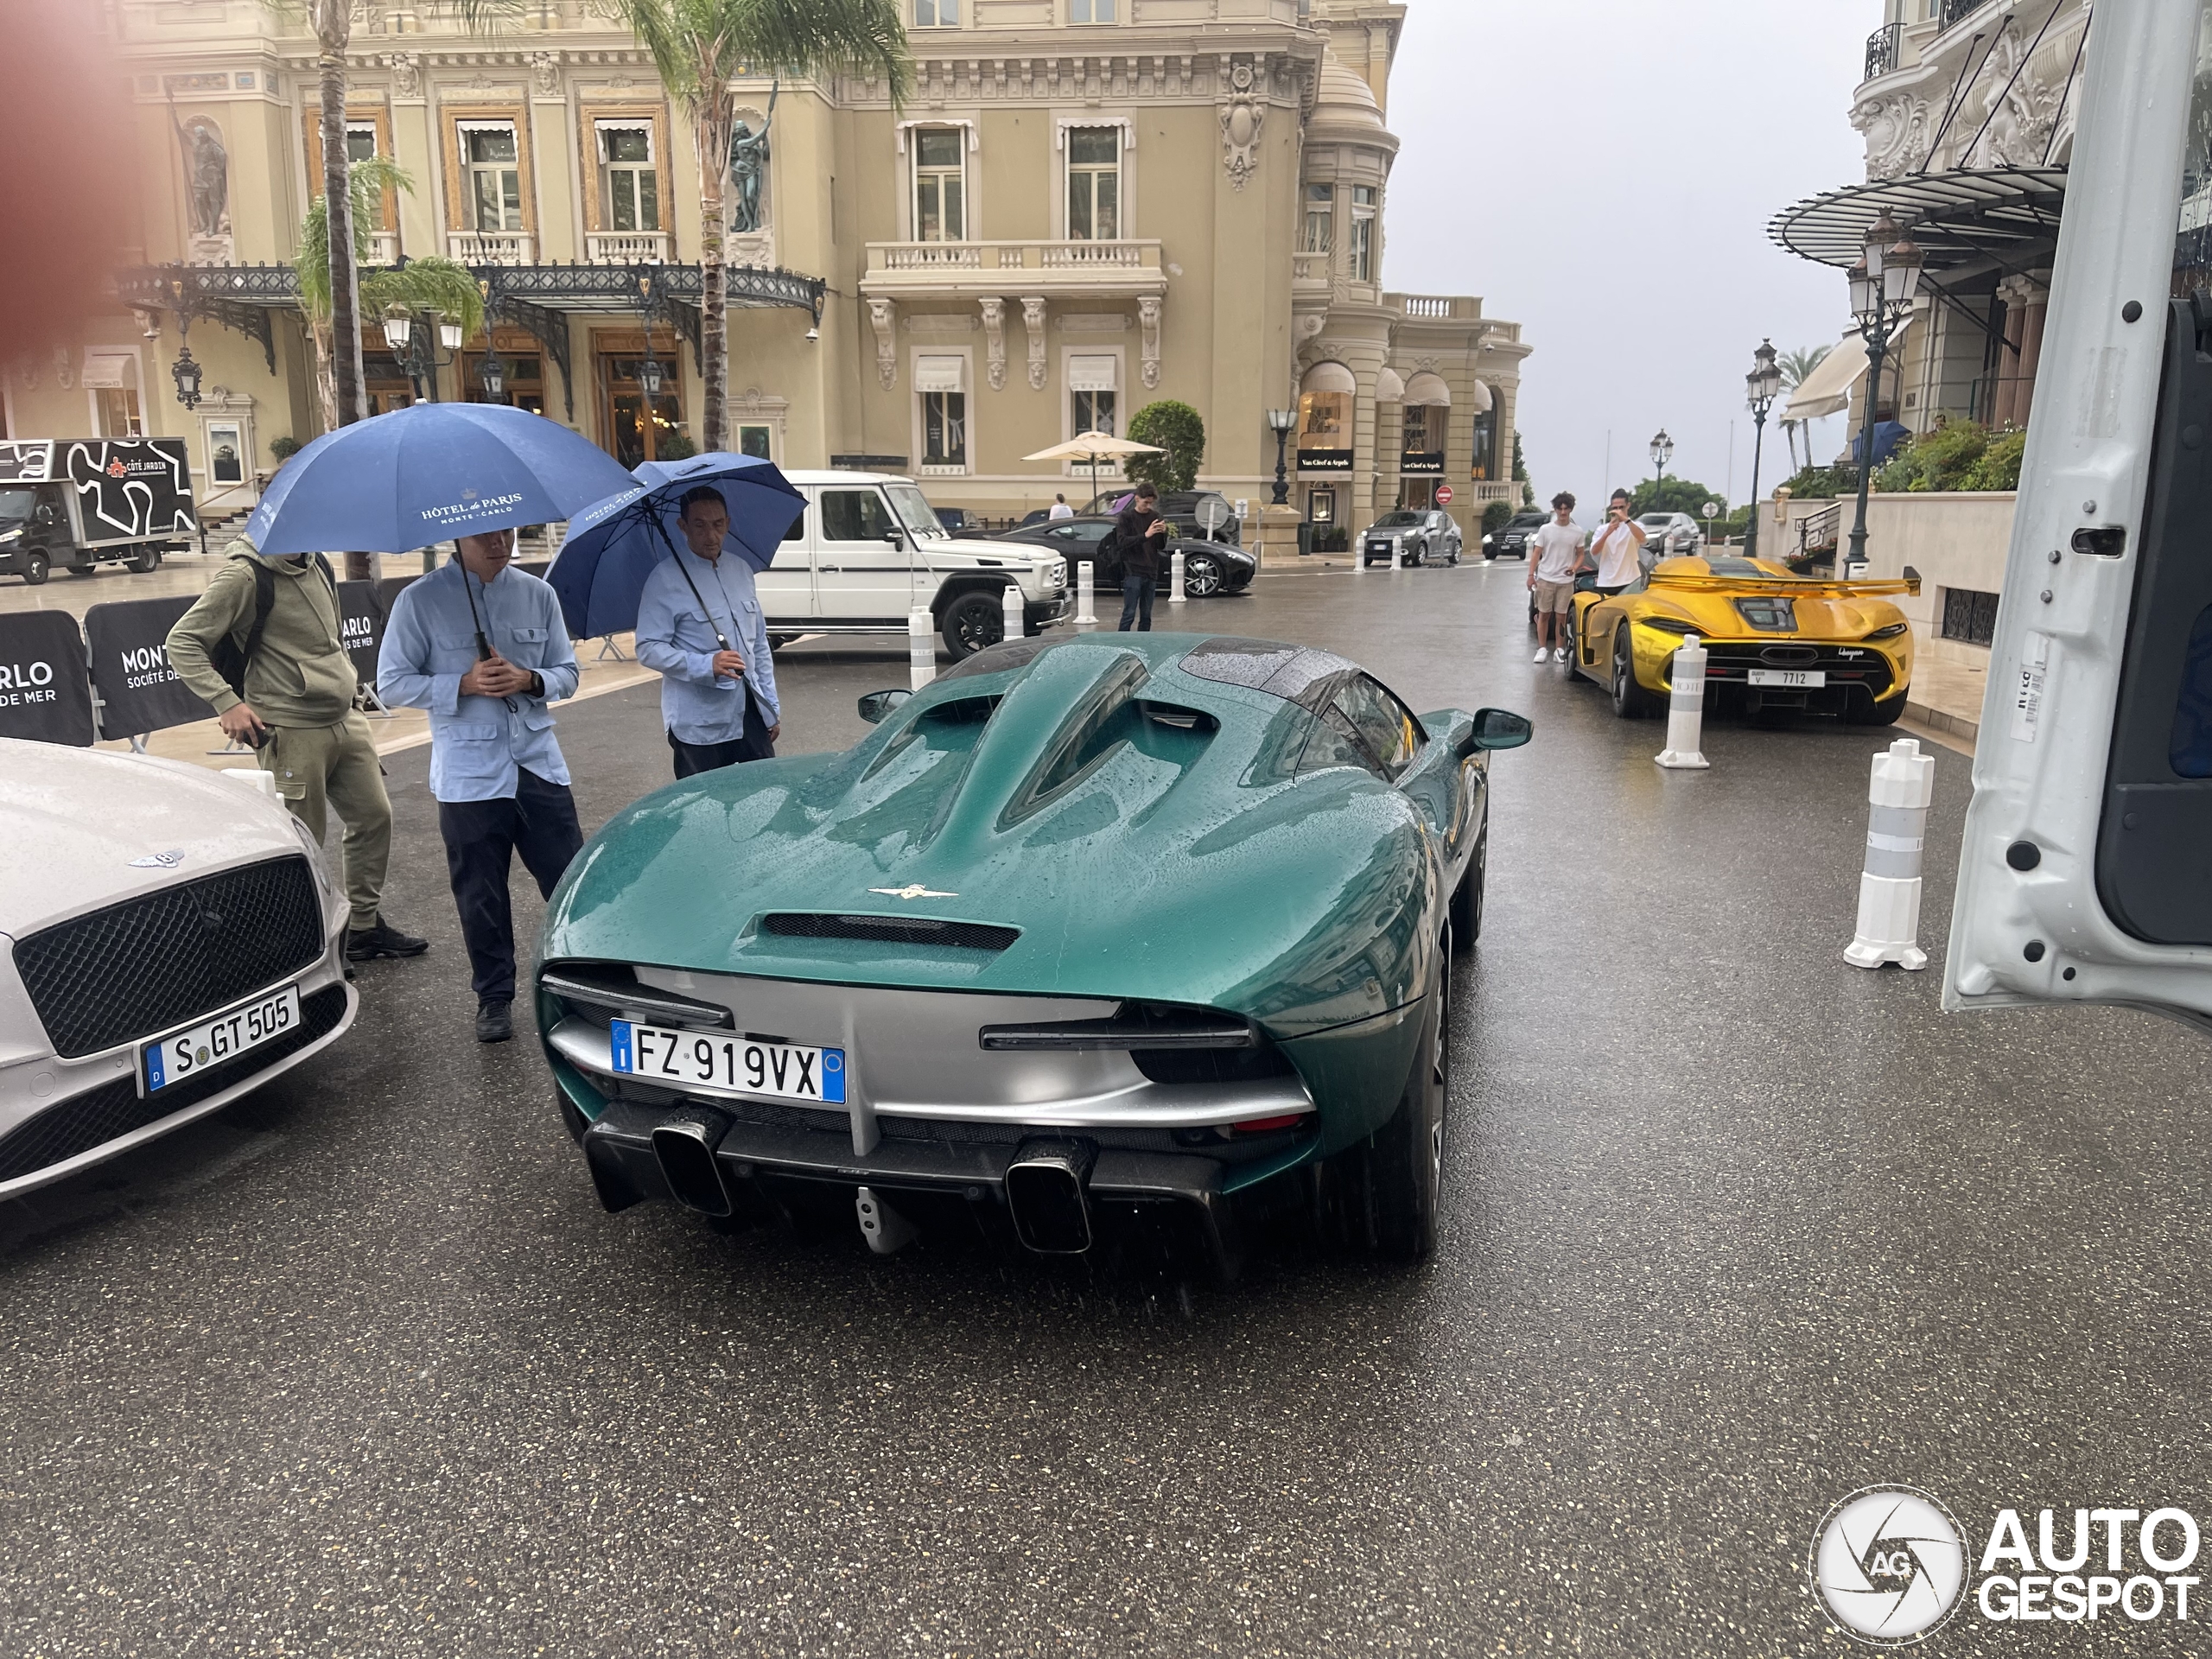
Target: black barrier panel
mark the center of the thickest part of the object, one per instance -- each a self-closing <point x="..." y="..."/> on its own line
<point x="388" y="589"/>
<point x="139" y="691"/>
<point x="361" y="617"/>
<point x="44" y="696"/>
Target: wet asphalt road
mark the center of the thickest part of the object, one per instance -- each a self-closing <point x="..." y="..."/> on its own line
<point x="361" y="1368"/>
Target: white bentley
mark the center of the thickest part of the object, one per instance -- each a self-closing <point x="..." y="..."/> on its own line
<point x="168" y="940"/>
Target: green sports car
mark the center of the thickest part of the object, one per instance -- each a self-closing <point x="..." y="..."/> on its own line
<point x="1097" y="931"/>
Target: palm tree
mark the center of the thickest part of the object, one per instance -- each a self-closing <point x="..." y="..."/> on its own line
<point x="699" y="47"/>
<point x="1796" y="368"/>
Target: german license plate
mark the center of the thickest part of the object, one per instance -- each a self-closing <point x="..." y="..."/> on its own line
<point x="1792" y="678"/>
<point x="187" y="1053"/>
<point x="717" y="1063"/>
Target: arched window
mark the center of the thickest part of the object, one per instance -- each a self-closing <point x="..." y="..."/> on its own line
<point x="1324" y="419"/>
<point x="1486" y="463"/>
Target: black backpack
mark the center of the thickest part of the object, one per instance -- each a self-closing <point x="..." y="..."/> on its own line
<point x="228" y="659"/>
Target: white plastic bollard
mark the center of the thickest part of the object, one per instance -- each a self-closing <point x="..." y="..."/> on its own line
<point x="1017" y="623"/>
<point x="1889" y="889"/>
<point x="921" y="647"/>
<point x="1085" y="588"/>
<point x="1175" y="594"/>
<point x="1685" y="710"/>
<point x="1358" y="560"/>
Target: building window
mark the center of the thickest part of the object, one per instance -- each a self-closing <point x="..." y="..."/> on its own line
<point x="1969" y="616"/>
<point x="1320" y="218"/>
<point x="633" y="184"/>
<point x="1091" y="11"/>
<point x="940" y="186"/>
<point x="1095" y="182"/>
<point x="493" y="190"/>
<point x="1363" y="232"/>
<point x="1094" y="412"/>
<point x="119" y="418"/>
<point x="936" y="14"/>
<point x="1093" y="381"/>
<point x="1482" y="466"/>
<point x="944" y="428"/>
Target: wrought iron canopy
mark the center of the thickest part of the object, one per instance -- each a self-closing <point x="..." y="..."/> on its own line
<point x="2007" y="216"/>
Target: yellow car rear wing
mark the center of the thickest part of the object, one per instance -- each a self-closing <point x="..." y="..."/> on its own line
<point x="1865" y="589"/>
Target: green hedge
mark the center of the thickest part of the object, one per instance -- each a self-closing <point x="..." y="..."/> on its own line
<point x="1956" y="455"/>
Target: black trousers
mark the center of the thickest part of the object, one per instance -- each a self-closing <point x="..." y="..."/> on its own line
<point x="481" y="839"/>
<point x="1136" y="602"/>
<point x="692" y="758"/>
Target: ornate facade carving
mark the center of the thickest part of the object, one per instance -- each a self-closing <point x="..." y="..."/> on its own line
<point x="995" y="342"/>
<point x="1896" y="129"/>
<point x="1242" y="115"/>
<point x="1148" y="322"/>
<point x="884" y="315"/>
<point x="545" y="72"/>
<point x="1032" y="318"/>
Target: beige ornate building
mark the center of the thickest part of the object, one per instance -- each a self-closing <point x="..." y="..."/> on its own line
<point x="1085" y="205"/>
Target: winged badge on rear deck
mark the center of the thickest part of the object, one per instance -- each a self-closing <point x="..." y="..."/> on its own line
<point x="916" y="890"/>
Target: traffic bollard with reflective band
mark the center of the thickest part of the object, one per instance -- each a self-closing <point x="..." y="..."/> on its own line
<point x="1010" y="611"/>
<point x="1686" y="709"/>
<point x="1889" y="890"/>
<point x="1175" y="595"/>
<point x="1085" y="587"/>
<point x="921" y="647"/>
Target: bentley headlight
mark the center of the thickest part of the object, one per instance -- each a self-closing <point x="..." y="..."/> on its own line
<point x="1674" y="625"/>
<point x="1889" y="633"/>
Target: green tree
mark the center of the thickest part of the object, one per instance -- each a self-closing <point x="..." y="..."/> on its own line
<point x="1179" y="431"/>
<point x="1673" y="495"/>
<point x="699" y="47"/>
<point x="1496" y="517"/>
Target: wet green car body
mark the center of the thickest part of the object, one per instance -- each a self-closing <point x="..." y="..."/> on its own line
<point x="1145" y="906"/>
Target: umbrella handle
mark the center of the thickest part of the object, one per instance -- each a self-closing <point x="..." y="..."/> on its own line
<point x="721" y="638"/>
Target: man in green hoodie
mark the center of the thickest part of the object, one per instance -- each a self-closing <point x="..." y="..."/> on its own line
<point x="294" y="703"/>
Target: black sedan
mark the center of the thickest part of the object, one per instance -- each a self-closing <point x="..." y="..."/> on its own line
<point x="1209" y="568"/>
<point x="1510" y="539"/>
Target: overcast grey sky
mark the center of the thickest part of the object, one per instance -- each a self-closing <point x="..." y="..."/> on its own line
<point x="1602" y="172"/>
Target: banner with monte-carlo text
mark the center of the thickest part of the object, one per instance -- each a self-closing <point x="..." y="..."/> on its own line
<point x="44" y="698"/>
<point x="139" y="692"/>
<point x="362" y="612"/>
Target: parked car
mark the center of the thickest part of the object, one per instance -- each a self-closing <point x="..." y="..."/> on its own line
<point x="1669" y="536"/>
<point x="1411" y="535"/>
<point x="72" y="503"/>
<point x="908" y="991"/>
<point x="869" y="548"/>
<point x="956" y="520"/>
<point x="1185" y="509"/>
<point x="1510" y="540"/>
<point x="1209" y="568"/>
<point x="174" y="942"/>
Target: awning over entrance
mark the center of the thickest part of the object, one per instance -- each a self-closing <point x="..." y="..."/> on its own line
<point x="2007" y="216"/>
<point x="1827" y="390"/>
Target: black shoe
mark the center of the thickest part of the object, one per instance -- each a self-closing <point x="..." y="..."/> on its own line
<point x="495" y="1021"/>
<point x="382" y="939"/>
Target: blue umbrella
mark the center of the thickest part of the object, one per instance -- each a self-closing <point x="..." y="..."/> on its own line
<point x="613" y="546"/>
<point x="426" y="472"/>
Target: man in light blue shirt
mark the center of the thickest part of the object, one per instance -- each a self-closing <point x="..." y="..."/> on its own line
<point x="483" y="647"/>
<point x="701" y="628"/>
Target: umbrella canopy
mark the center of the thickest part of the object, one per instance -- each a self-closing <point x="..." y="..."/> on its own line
<point x="613" y="545"/>
<point x="1095" y="447"/>
<point x="423" y="473"/>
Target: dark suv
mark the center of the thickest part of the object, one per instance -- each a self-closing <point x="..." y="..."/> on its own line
<point x="1184" y="510"/>
<point x="1510" y="539"/>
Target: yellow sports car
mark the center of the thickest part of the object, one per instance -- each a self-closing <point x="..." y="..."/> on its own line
<point x="1773" y="640"/>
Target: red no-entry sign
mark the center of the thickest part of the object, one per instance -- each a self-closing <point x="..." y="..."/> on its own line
<point x="1444" y="495"/>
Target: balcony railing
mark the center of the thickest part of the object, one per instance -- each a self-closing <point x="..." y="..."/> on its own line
<point x="1435" y="307"/>
<point x="625" y="247"/>
<point x="383" y="247"/>
<point x="1309" y="268"/>
<point x="1884" y="47"/>
<point x="992" y="267"/>
<point x="490" y="247"/>
<point x="1955" y="9"/>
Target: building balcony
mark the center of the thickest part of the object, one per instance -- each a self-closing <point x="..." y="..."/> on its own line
<point x="1309" y="273"/>
<point x="1955" y="9"/>
<point x="626" y="247"/>
<point x="490" y="247"/>
<point x="1884" y="49"/>
<point x="384" y="248"/>
<point x="1125" y="269"/>
<point x="1436" y="308"/>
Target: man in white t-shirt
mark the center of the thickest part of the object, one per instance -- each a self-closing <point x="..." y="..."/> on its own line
<point x="1552" y="567"/>
<point x="1618" y="547"/>
<point x="1060" y="508"/>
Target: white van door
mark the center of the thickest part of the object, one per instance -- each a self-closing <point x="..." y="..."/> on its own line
<point x="787" y="586"/>
<point x="860" y="575"/>
<point x="2086" y="874"/>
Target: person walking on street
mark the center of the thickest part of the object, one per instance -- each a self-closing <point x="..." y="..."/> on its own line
<point x="1552" y="569"/>
<point x="700" y="627"/>
<point x="262" y="646"/>
<point x="484" y="649"/>
<point x="1620" y="547"/>
<point x="1059" y="508"/>
<point x="1139" y="534"/>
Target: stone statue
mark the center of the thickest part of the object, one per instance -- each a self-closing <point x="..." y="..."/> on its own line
<point x="208" y="170"/>
<point x="748" y="166"/>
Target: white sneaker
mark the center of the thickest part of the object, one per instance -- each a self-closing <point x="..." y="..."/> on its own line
<point x="1540" y="654"/>
<point x="1559" y="656"/>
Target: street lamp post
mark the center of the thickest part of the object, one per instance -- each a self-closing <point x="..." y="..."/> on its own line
<point x="1761" y="386"/>
<point x="1281" y="420"/>
<point x="1662" y="451"/>
<point x="1882" y="289"/>
<point x="413" y="346"/>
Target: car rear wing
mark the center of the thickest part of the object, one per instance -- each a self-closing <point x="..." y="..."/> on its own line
<point x="1873" y="588"/>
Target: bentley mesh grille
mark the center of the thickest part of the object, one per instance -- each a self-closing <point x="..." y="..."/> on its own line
<point x="146" y="964"/>
<point x="114" y="1109"/>
<point x="890" y="930"/>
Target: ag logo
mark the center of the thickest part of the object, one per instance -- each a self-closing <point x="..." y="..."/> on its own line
<point x="1888" y="1563"/>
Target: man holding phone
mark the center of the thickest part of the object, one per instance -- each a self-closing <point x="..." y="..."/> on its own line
<point x="261" y="646"/>
<point x="1141" y="534"/>
<point x="1619" y="547"/>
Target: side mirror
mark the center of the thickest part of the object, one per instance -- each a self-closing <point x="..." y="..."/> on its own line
<point x="877" y="704"/>
<point x="894" y="538"/>
<point x="1499" y="728"/>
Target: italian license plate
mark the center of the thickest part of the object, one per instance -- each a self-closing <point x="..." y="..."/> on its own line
<point x="187" y="1053"/>
<point x="717" y="1063"/>
<point x="1793" y="678"/>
